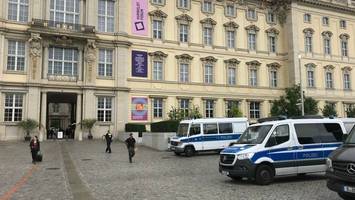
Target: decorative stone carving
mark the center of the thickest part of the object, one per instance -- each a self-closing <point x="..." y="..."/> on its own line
<point x="158" y="55"/>
<point x="158" y="14"/>
<point x="185" y="58"/>
<point x="252" y="28"/>
<point x="90" y="57"/>
<point x="208" y="21"/>
<point x="184" y="18"/>
<point x="253" y="63"/>
<point x="231" y="25"/>
<point x="272" y="31"/>
<point x="209" y="59"/>
<point x="232" y="61"/>
<point x="274" y="65"/>
<point x="35" y="51"/>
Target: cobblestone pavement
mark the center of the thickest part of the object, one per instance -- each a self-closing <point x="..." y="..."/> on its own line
<point x="153" y="175"/>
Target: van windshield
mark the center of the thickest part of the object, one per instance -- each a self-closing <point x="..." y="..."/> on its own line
<point x="351" y="137"/>
<point x="182" y="130"/>
<point x="254" y="135"/>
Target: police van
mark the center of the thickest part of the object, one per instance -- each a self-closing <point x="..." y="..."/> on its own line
<point x="280" y="148"/>
<point x="206" y="134"/>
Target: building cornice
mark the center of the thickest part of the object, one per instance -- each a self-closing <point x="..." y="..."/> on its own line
<point x="329" y="5"/>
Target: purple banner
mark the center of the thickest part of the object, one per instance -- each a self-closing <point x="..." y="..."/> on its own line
<point x="139" y="64"/>
<point x="139" y="109"/>
<point x="140" y="17"/>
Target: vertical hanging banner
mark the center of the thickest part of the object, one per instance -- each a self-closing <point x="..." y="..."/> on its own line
<point x="139" y="109"/>
<point x="139" y="64"/>
<point x="140" y="17"/>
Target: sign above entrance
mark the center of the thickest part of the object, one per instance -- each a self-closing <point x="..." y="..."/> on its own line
<point x="140" y="17"/>
<point x="139" y="109"/>
<point x="139" y="64"/>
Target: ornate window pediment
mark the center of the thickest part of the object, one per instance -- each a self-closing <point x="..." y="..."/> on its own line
<point x="308" y="31"/>
<point x="310" y="65"/>
<point x="274" y="65"/>
<point x="272" y="31"/>
<point x="232" y="61"/>
<point x="208" y="21"/>
<point x="347" y="69"/>
<point x="253" y="63"/>
<point x="231" y="25"/>
<point x="329" y="67"/>
<point x="344" y="36"/>
<point x="252" y="28"/>
<point x="327" y="34"/>
<point x="184" y="58"/>
<point x="184" y="18"/>
<point x="158" y="14"/>
<point x="209" y="59"/>
<point x="158" y="55"/>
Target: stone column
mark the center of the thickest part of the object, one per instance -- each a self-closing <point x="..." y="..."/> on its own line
<point x="78" y="131"/>
<point x="43" y="124"/>
<point x="36" y="54"/>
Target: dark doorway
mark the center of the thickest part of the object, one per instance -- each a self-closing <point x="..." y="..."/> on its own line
<point x="61" y="115"/>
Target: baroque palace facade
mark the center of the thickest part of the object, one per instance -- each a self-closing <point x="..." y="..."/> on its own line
<point x="122" y="61"/>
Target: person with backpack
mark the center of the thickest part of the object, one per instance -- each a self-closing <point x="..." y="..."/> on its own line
<point x="35" y="148"/>
<point x="130" y="142"/>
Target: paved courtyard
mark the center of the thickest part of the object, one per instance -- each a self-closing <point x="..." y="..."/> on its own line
<point x="81" y="170"/>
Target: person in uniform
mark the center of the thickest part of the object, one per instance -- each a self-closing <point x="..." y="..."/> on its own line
<point x="108" y="138"/>
<point x="130" y="142"/>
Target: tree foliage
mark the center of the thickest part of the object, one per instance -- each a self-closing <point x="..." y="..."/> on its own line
<point x="88" y="124"/>
<point x="350" y="112"/>
<point x="329" y="111"/>
<point x="28" y="125"/>
<point x="178" y="114"/>
<point x="290" y="104"/>
<point x="235" y="112"/>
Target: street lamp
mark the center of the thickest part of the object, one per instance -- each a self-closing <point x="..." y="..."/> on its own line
<point x="301" y="88"/>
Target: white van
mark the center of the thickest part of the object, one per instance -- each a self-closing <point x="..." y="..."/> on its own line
<point x="282" y="147"/>
<point x="348" y="123"/>
<point x="207" y="134"/>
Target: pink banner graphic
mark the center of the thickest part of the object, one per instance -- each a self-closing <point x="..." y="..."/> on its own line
<point x="140" y="17"/>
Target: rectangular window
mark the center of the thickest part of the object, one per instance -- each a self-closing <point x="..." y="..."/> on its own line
<point x="344" y="48"/>
<point x="225" y="128"/>
<point x="251" y="13"/>
<point x="210" y="129"/>
<point x="280" y="135"/>
<point x="16" y="55"/>
<point x="157" y="70"/>
<point x="157" y="29"/>
<point x="318" y="133"/>
<point x="230" y="10"/>
<point x="273" y="78"/>
<point x="232" y="71"/>
<point x="209" y="108"/>
<point x="231" y="39"/>
<point x="106" y="15"/>
<point x="13" y="107"/>
<point x="158" y="108"/>
<point x="159" y="2"/>
<point x="208" y="73"/>
<point x="254" y="110"/>
<point x="104" y="109"/>
<point x="253" y="77"/>
<point x="310" y="78"/>
<point x="342" y="24"/>
<point x="307" y="18"/>
<point x="105" y="62"/>
<point x="252" y="41"/>
<point x="184" y="73"/>
<point x="66" y="11"/>
<point x="325" y="21"/>
<point x="184" y="107"/>
<point x="184" y="33"/>
<point x="327" y="46"/>
<point x="229" y="106"/>
<point x="18" y="10"/>
<point x="207" y="36"/>
<point x="207" y="6"/>
<point x="329" y="80"/>
<point x="183" y="4"/>
<point x="271" y="18"/>
<point x="308" y="41"/>
<point x="63" y="61"/>
<point x="272" y="44"/>
<point x="346" y="78"/>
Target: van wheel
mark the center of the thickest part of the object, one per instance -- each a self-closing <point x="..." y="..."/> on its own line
<point x="177" y="153"/>
<point x="264" y="175"/>
<point x="189" y="151"/>
<point x="345" y="196"/>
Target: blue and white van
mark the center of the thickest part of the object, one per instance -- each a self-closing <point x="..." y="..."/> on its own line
<point x="282" y="147"/>
<point x="207" y="134"/>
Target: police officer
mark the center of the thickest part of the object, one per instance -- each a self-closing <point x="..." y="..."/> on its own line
<point x="108" y="138"/>
<point x="130" y="142"/>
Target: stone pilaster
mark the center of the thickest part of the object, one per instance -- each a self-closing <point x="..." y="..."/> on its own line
<point x="90" y="58"/>
<point x="43" y="122"/>
<point x="78" y="131"/>
<point x="35" y="43"/>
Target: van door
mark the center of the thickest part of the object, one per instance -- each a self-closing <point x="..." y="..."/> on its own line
<point x="226" y="135"/>
<point x="196" y="137"/>
<point x="332" y="138"/>
<point x="310" y="153"/>
<point x="210" y="136"/>
<point x="280" y="150"/>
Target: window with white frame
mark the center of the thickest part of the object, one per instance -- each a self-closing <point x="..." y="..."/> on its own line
<point x="184" y="105"/>
<point x="63" y="61"/>
<point x="251" y="14"/>
<point x="272" y="43"/>
<point x="207" y="6"/>
<point x="209" y="108"/>
<point x="307" y="18"/>
<point x="18" y="10"/>
<point x="104" y="109"/>
<point x="207" y="36"/>
<point x="271" y="17"/>
<point x="346" y="80"/>
<point x="184" y="4"/>
<point x="105" y="62"/>
<point x="67" y="11"/>
<point x="329" y="79"/>
<point x="230" y="39"/>
<point x="158" y="2"/>
<point x="253" y="76"/>
<point x="252" y="41"/>
<point x="208" y="73"/>
<point x="308" y="40"/>
<point x="158" y="108"/>
<point x="16" y="55"/>
<point x="344" y="45"/>
<point x="157" y="29"/>
<point x="13" y="107"/>
<point x="184" y="33"/>
<point x="273" y="78"/>
<point x="157" y="70"/>
<point x="184" y="72"/>
<point x="327" y="49"/>
<point x="310" y="76"/>
<point x="231" y="104"/>
<point x="106" y="15"/>
<point x="254" y="110"/>
<point x="342" y="24"/>
<point x="230" y="10"/>
<point x="325" y="21"/>
<point x="231" y="75"/>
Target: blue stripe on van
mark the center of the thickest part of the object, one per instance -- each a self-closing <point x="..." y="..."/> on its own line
<point x="209" y="138"/>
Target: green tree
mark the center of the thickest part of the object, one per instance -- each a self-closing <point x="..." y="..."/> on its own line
<point x="88" y="124"/>
<point x="235" y="112"/>
<point x="329" y="111"/>
<point x="289" y="104"/>
<point x="177" y="114"/>
<point x="350" y="112"/>
<point x="28" y="125"/>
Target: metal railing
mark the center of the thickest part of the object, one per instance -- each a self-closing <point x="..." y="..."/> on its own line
<point x="41" y="23"/>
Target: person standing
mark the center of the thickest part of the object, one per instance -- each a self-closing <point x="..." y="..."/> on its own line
<point x="130" y="142"/>
<point x="35" y="147"/>
<point x="108" y="138"/>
